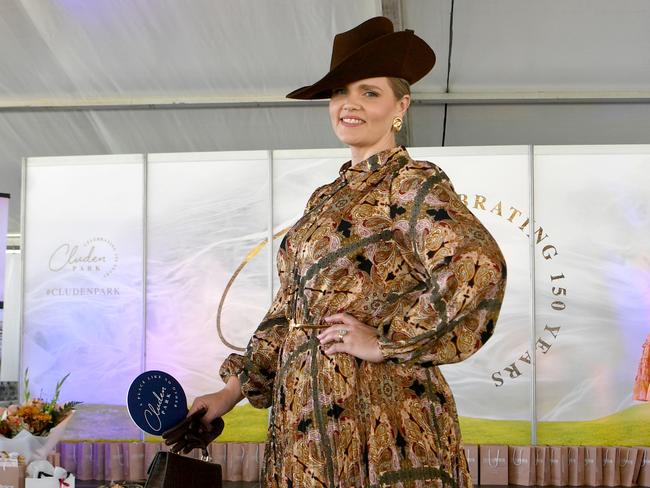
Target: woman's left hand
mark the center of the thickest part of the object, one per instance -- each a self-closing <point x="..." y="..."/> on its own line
<point x="351" y="336"/>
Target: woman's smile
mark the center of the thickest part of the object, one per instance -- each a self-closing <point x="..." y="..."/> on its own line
<point x="351" y="121"/>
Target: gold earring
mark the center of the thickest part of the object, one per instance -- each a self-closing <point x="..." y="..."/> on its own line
<point x="397" y="124"/>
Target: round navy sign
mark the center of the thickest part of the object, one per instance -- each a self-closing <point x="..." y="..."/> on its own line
<point x="156" y="402"/>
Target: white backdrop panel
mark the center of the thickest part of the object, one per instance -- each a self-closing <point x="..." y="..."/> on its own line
<point x="83" y="275"/>
<point x="595" y="205"/>
<point x="206" y="213"/>
<point x="10" y="354"/>
<point x="4" y="221"/>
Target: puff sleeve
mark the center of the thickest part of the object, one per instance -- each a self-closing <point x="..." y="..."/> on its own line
<point x="460" y="266"/>
<point x="256" y="369"/>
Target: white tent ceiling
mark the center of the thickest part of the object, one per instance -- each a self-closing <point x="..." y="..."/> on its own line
<point x="114" y="76"/>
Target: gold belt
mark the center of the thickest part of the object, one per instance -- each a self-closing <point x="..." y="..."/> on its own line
<point x="297" y="325"/>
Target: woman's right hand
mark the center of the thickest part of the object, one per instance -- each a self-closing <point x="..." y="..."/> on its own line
<point x="219" y="403"/>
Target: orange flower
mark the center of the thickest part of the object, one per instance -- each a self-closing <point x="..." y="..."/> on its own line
<point x="35" y="415"/>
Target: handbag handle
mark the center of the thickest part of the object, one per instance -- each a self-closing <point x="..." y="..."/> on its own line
<point x="205" y="455"/>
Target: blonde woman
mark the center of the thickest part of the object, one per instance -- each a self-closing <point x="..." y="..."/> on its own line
<point x="386" y="276"/>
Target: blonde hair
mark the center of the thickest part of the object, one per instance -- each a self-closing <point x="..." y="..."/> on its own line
<point x="400" y="87"/>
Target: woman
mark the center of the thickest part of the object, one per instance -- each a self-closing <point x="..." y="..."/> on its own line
<point x="641" y="389"/>
<point x="386" y="276"/>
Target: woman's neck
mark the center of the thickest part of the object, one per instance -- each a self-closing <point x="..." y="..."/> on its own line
<point x="361" y="153"/>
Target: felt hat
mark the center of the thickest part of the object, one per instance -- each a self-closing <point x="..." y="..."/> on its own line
<point x="369" y="50"/>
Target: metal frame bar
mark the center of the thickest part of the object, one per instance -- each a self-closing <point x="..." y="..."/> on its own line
<point x="269" y="235"/>
<point x="21" y="304"/>
<point x="393" y="10"/>
<point x="145" y="254"/>
<point x="533" y="324"/>
<point x="422" y="98"/>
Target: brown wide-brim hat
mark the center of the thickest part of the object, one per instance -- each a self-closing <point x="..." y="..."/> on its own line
<point x="369" y="50"/>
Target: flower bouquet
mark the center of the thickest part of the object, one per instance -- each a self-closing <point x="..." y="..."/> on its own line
<point x="33" y="428"/>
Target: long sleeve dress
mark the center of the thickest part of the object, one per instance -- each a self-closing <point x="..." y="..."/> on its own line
<point x="389" y="242"/>
<point x="641" y="389"/>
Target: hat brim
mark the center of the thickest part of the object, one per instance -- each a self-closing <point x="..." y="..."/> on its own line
<point x="398" y="54"/>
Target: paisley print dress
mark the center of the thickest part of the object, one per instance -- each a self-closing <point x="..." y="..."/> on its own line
<point x="389" y="242"/>
<point x="642" y="380"/>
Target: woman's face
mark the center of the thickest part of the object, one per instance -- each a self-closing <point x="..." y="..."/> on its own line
<point x="362" y="112"/>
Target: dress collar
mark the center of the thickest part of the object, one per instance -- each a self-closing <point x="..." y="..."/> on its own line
<point x="372" y="163"/>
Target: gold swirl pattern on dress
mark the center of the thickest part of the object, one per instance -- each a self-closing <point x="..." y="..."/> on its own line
<point x="464" y="269"/>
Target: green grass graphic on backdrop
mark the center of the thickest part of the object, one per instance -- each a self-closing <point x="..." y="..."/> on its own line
<point x="629" y="427"/>
<point x="245" y="424"/>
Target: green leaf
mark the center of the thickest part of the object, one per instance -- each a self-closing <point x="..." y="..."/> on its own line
<point x="26" y="393"/>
